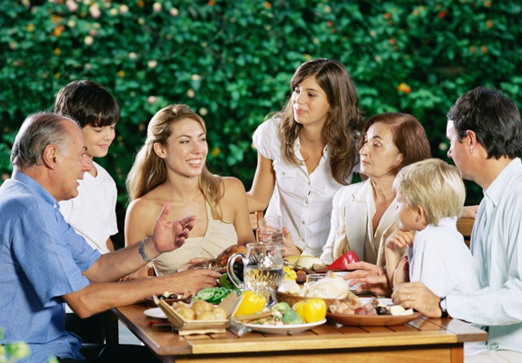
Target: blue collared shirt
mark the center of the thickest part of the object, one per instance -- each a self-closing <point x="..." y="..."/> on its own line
<point x="41" y="259"/>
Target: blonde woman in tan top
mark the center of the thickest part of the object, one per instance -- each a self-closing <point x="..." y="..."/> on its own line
<point x="170" y="168"/>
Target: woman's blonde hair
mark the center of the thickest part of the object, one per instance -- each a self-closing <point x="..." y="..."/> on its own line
<point x="344" y="121"/>
<point x="149" y="170"/>
<point x="435" y="186"/>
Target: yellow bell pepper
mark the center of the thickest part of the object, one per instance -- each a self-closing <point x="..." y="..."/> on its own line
<point x="251" y="303"/>
<point x="311" y="310"/>
<point x="290" y="274"/>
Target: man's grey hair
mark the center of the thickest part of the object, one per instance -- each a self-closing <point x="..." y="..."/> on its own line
<point x="37" y="132"/>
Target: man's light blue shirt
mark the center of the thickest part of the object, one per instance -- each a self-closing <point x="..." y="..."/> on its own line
<point x="42" y="258"/>
<point x="496" y="245"/>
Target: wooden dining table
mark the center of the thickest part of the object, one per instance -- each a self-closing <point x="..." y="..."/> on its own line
<point x="421" y="340"/>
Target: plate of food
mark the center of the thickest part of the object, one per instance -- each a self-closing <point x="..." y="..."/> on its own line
<point x="278" y="319"/>
<point x="372" y="312"/>
<point x="155" y="313"/>
<point x="283" y="328"/>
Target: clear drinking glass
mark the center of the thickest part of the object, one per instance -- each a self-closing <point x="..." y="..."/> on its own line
<point x="271" y="230"/>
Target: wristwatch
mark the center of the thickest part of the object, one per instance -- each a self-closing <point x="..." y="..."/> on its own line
<point x="142" y="251"/>
<point x="443" y="307"/>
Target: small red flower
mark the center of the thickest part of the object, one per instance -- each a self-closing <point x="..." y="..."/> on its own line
<point x="442" y="14"/>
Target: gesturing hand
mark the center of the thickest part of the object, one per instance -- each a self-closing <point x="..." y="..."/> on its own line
<point x="169" y="235"/>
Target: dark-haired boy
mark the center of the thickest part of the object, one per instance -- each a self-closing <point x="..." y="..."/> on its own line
<point x="93" y="212"/>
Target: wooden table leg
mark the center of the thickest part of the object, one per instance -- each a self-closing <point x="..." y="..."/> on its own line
<point x="111" y="328"/>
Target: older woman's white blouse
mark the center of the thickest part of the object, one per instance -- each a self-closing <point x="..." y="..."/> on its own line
<point x="303" y="200"/>
<point x="352" y="228"/>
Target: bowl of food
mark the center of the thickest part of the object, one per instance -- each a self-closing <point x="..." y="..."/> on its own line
<point x="331" y="289"/>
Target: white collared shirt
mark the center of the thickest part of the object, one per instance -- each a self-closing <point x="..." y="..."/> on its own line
<point x="92" y="213"/>
<point x="353" y="211"/>
<point x="440" y="259"/>
<point x="303" y="200"/>
<point x="496" y="246"/>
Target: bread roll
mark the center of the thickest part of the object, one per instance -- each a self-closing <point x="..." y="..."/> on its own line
<point x="206" y="315"/>
<point x="200" y="306"/>
<point x="220" y="313"/>
<point x="186" y="313"/>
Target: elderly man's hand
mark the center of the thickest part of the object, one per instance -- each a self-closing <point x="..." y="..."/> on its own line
<point x="169" y="235"/>
<point x="190" y="282"/>
<point x="417" y="296"/>
<point x="370" y="277"/>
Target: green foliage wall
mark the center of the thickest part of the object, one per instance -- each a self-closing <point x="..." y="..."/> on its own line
<point x="231" y="61"/>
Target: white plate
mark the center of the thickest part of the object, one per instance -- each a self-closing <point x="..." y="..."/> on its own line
<point x="155" y="313"/>
<point x="282" y="329"/>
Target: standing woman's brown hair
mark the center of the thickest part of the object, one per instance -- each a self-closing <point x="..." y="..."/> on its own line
<point x="344" y="120"/>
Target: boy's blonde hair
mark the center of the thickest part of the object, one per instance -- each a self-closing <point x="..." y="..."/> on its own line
<point x="435" y="186"/>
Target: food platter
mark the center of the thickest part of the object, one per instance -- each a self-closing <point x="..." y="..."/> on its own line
<point x="189" y="326"/>
<point x="282" y="329"/>
<point x="379" y="320"/>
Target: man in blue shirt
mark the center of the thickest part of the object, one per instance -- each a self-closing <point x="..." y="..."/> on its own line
<point x="45" y="263"/>
<point x="485" y="134"/>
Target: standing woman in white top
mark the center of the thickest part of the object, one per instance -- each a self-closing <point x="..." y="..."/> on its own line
<point x="307" y="151"/>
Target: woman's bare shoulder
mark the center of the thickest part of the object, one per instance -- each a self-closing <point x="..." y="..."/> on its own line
<point x="232" y="183"/>
<point x="145" y="206"/>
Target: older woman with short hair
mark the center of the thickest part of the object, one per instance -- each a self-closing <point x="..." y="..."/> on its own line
<point x="364" y="214"/>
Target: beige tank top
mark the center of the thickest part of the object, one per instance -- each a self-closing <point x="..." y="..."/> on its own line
<point x="218" y="236"/>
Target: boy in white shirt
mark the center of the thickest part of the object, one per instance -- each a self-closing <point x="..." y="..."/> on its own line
<point x="93" y="212"/>
<point x="430" y="196"/>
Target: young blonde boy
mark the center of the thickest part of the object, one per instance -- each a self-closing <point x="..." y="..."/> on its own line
<point x="430" y="196"/>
